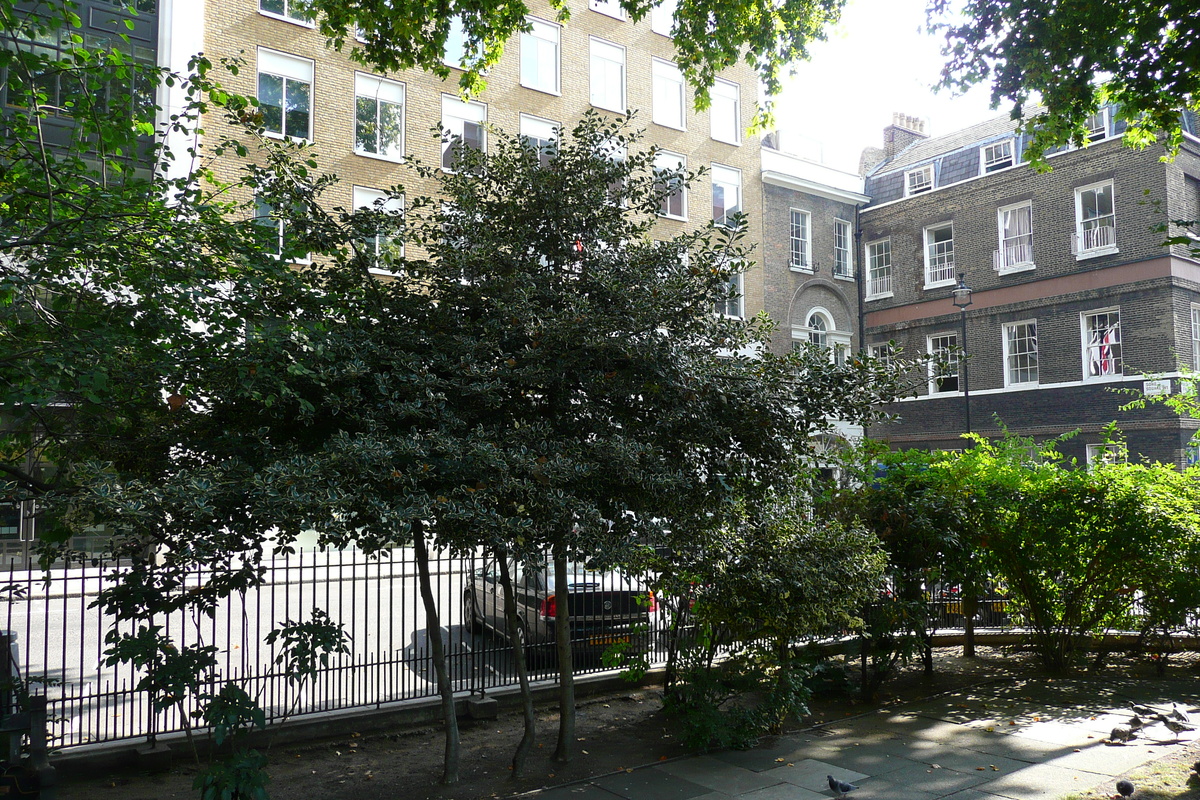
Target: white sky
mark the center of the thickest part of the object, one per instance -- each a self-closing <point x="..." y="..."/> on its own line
<point x="877" y="60"/>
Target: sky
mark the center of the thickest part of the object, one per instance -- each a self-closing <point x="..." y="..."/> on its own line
<point x="878" y="60"/>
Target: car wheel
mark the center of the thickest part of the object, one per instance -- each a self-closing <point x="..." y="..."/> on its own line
<point x="471" y="618"/>
<point x="536" y="655"/>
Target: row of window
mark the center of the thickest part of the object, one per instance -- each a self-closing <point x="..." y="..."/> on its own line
<point x="285" y="86"/>
<point x="995" y="156"/>
<point x="801" y="258"/>
<point x="1100" y="340"/>
<point x="1095" y="234"/>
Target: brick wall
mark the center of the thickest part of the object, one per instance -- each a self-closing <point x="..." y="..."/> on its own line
<point x="234" y="26"/>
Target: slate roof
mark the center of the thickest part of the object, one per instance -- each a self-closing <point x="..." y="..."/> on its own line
<point x="924" y="150"/>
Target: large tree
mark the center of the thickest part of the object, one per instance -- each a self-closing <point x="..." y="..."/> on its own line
<point x="1057" y="62"/>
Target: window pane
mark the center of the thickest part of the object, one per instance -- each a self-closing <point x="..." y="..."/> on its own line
<point x="296" y="122"/>
<point x="366" y="129"/>
<point x="270" y="102"/>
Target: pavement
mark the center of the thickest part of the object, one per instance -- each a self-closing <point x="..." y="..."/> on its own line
<point x="1007" y="740"/>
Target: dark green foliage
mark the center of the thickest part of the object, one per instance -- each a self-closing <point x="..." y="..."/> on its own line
<point x="242" y="776"/>
<point x="1073" y="57"/>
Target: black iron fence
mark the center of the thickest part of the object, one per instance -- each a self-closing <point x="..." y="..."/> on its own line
<point x="59" y="634"/>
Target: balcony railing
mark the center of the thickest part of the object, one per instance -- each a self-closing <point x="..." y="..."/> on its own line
<point x="879" y="284"/>
<point x="1098" y="238"/>
<point x="1012" y="255"/>
<point x="941" y="262"/>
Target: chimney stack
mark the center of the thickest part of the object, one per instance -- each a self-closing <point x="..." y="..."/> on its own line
<point x="904" y="130"/>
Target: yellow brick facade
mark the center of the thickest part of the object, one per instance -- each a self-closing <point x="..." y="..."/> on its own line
<point x="238" y="26"/>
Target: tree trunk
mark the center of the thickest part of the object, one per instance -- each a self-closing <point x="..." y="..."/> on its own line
<point x="566" y="670"/>
<point x="518" y="641"/>
<point x="433" y="630"/>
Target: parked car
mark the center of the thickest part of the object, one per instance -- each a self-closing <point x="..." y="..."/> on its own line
<point x="605" y="608"/>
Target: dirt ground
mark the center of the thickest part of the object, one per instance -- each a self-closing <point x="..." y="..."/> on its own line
<point x="617" y="731"/>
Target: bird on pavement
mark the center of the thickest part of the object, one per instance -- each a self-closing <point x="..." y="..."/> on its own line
<point x="1135" y="723"/>
<point x="1121" y="733"/>
<point x="1124" y="788"/>
<point x="1141" y="710"/>
<point x="1178" y="714"/>
<point x="840" y="788"/>
<point x="1176" y="727"/>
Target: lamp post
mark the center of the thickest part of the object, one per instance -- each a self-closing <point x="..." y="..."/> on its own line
<point x="967" y="597"/>
<point x="962" y="299"/>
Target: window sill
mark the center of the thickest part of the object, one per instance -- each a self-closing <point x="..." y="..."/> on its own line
<point x="881" y="296"/>
<point x="843" y="277"/>
<point x="1117" y="376"/>
<point x="800" y="268"/>
<point x="287" y="138"/>
<point x="1027" y="267"/>
<point x="734" y="142"/>
<point x="282" y="18"/>
<point x="1099" y="251"/>
<point x="672" y="216"/>
<point x="551" y="92"/>
<point x="1026" y="385"/>
<point x="377" y="157"/>
<point x="607" y="108"/>
<point x="940" y="284"/>
<point x="669" y="126"/>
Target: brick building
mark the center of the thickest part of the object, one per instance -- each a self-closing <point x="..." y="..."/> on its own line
<point x="362" y="124"/>
<point x="1074" y="293"/>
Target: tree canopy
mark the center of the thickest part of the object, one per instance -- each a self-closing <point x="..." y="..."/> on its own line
<point x="1057" y="62"/>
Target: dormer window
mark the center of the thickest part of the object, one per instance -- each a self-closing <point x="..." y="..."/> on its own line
<point x="1096" y="125"/>
<point x="918" y="180"/>
<point x="996" y="156"/>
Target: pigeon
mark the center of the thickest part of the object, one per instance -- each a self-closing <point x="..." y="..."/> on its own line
<point x="840" y="788"/>
<point x="1121" y="733"/>
<point x="1176" y="727"/>
<point x="1178" y="714"/>
<point x="1135" y="723"/>
<point x="1124" y="788"/>
<point x="1141" y="710"/>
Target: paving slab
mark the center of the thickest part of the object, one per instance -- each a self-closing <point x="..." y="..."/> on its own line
<point x="1042" y="781"/>
<point x="718" y="775"/>
<point x="925" y="779"/>
<point x="1111" y="760"/>
<point x="784" y="791"/>
<point x="642" y="784"/>
<point x="814" y="775"/>
<point x="577" y="791"/>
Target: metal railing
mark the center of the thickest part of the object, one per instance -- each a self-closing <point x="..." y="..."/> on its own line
<point x="61" y="632"/>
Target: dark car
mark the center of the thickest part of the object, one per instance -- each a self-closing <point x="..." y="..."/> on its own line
<point x="605" y="608"/>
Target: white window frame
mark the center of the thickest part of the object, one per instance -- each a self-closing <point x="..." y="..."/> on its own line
<point x="800" y="254"/>
<point x="730" y="181"/>
<point x="456" y="114"/>
<point x="280" y="225"/>
<point x="843" y="249"/>
<point x="825" y="334"/>
<point x="602" y="63"/>
<point x="726" y="106"/>
<point x="953" y="357"/>
<point x="738" y="281"/>
<point x="1195" y="338"/>
<point x="455" y="54"/>
<point x="1011" y="355"/>
<point x="918" y="181"/>
<point x="668" y="95"/>
<point x="381" y="90"/>
<point x="1099" y="240"/>
<point x="1106" y="453"/>
<point x="289" y="68"/>
<point x="879" y="275"/>
<point x="883" y="351"/>
<point x="541" y="131"/>
<point x="1099" y="131"/>
<point x="662" y="17"/>
<point x="1096" y="350"/>
<point x="988" y="160"/>
<point x="287" y="16"/>
<point x="1013" y="256"/>
<point x="541" y="52"/>
<point x="366" y="197"/>
<point x="609" y="8"/>
<point x="939" y="260"/>
<point x="665" y="160"/>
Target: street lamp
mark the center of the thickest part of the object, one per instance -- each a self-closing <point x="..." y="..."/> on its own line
<point x="962" y="299"/>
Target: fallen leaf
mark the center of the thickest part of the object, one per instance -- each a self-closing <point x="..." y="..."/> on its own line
<point x="790" y="764"/>
<point x="1012" y="722"/>
<point x="979" y="769"/>
<point x="662" y="758"/>
<point x="629" y="770"/>
<point x="990" y="728"/>
<point x="936" y="766"/>
<point x="585" y="752"/>
<point x="779" y="760"/>
<point x="994" y="767"/>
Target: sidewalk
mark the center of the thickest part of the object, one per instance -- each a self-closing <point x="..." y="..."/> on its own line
<point x="1010" y="740"/>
